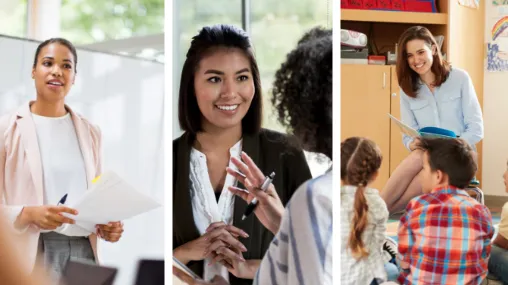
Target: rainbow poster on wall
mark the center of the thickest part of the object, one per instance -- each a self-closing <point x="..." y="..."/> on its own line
<point x="499" y="29"/>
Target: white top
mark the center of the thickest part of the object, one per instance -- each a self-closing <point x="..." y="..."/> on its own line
<point x="205" y="208"/>
<point x="302" y="250"/>
<point x="503" y="224"/>
<point x="63" y="166"/>
<point x="363" y="271"/>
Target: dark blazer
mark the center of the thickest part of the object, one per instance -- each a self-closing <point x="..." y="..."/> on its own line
<point x="271" y="151"/>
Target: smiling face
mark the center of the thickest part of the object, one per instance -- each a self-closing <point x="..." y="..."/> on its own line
<point x="420" y="56"/>
<point x="54" y="72"/>
<point x="224" y="88"/>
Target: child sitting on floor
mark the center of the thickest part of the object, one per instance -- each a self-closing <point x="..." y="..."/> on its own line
<point x="363" y="215"/>
<point x="445" y="235"/>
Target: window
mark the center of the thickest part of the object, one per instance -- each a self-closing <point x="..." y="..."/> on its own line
<point x="275" y="29"/>
<point x="90" y="21"/>
<point x="132" y="28"/>
<point x="192" y="15"/>
<point x="13" y="18"/>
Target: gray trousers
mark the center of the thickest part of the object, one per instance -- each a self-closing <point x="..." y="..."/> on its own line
<point x="55" y="250"/>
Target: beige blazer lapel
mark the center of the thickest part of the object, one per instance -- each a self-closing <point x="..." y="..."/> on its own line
<point x="29" y="137"/>
<point x="85" y="142"/>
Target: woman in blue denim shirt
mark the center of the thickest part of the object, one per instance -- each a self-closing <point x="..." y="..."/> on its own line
<point x="433" y="94"/>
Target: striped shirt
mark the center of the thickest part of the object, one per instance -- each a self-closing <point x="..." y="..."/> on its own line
<point x="444" y="238"/>
<point x="301" y="252"/>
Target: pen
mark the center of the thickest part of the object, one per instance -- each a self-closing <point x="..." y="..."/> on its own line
<point x="62" y="201"/>
<point x="254" y="202"/>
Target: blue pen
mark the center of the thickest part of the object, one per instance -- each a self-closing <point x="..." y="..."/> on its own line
<point x="62" y="201"/>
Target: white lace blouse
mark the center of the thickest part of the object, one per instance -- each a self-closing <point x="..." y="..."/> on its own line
<point x="205" y="207"/>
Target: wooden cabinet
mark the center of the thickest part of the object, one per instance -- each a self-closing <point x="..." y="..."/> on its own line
<point x="397" y="149"/>
<point x="371" y="91"/>
<point x="365" y="94"/>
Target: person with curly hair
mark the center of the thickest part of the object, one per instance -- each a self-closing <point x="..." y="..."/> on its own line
<point x="301" y="252"/>
<point x="310" y="115"/>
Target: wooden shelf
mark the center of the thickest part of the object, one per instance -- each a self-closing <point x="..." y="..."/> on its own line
<point x="393" y="17"/>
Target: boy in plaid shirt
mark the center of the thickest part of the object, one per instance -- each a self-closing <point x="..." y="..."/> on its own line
<point x="445" y="235"/>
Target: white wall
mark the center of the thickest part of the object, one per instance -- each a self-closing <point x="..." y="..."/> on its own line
<point x="125" y="97"/>
<point x="495" y="143"/>
<point x="495" y="115"/>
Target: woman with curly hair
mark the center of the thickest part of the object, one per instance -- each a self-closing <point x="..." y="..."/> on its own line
<point x="301" y="252"/>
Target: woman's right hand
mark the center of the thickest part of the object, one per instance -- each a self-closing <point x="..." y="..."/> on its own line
<point x="270" y="209"/>
<point x="192" y="251"/>
<point x="45" y="217"/>
<point x="203" y="247"/>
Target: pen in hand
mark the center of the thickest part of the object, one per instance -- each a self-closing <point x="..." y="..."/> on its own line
<point x="62" y="201"/>
<point x="254" y="202"/>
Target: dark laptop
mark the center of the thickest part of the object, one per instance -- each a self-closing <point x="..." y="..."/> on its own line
<point x="150" y="272"/>
<point x="79" y="273"/>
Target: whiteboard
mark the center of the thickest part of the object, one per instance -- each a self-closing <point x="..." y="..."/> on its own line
<point x="125" y="97"/>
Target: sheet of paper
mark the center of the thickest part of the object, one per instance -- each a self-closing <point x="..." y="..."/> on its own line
<point x="110" y="199"/>
<point x="78" y="229"/>
<point x="405" y="129"/>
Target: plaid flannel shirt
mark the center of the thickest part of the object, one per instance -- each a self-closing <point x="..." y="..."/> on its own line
<point x="444" y="238"/>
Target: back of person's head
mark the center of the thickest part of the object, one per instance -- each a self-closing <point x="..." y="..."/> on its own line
<point x="302" y="91"/>
<point x="208" y="40"/>
<point x="360" y="160"/>
<point x="453" y="157"/>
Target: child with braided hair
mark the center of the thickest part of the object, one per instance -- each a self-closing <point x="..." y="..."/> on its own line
<point x="363" y="215"/>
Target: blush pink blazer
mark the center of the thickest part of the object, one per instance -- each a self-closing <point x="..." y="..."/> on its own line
<point x="21" y="178"/>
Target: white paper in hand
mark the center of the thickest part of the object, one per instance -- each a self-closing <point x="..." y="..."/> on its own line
<point x="110" y="199"/>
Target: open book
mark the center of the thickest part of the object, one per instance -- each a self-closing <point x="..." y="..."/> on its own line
<point x="423" y="132"/>
<point x="405" y="129"/>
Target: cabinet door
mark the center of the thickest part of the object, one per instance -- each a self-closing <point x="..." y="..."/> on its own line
<point x="397" y="149"/>
<point x="365" y="103"/>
